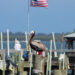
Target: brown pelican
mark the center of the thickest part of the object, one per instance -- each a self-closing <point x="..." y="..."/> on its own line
<point x="36" y="45"/>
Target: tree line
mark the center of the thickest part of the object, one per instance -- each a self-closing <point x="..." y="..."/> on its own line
<point x="40" y="36"/>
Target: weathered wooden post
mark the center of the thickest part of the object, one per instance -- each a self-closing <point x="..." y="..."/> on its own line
<point x="43" y="66"/>
<point x="14" y="72"/>
<point x="30" y="62"/>
<point x="47" y="64"/>
<point x="63" y="66"/>
<point x="37" y="67"/>
<point x="22" y="68"/>
<point x="14" y="57"/>
<point x="50" y="57"/>
<point x="1" y="40"/>
<point x="8" y="42"/>
<point x="3" y="55"/>
<point x="66" y="65"/>
<point x="55" y="53"/>
<point x="19" y="63"/>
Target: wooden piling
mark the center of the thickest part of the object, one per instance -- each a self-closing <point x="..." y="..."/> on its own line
<point x="3" y="55"/>
<point x="1" y="40"/>
<point x="19" y="63"/>
<point x="64" y="71"/>
<point x="55" y="53"/>
<point x="43" y="67"/>
<point x="37" y="65"/>
<point x="8" y="42"/>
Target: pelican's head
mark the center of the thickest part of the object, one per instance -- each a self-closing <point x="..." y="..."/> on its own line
<point x="32" y="33"/>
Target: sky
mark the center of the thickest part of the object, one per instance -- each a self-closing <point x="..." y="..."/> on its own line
<point x="58" y="17"/>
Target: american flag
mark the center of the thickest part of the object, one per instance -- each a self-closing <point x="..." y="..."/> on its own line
<point x="39" y="3"/>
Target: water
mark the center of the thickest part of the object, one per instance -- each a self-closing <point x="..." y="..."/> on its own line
<point x="59" y="45"/>
<point x="12" y="44"/>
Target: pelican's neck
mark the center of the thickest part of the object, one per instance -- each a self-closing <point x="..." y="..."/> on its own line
<point x="31" y="38"/>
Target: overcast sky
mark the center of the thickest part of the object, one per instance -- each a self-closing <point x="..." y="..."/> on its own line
<point x="58" y="17"/>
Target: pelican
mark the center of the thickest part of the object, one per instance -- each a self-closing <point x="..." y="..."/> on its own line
<point x="36" y="45"/>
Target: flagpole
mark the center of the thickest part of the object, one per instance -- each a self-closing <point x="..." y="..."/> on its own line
<point x="28" y="19"/>
<point x="28" y="25"/>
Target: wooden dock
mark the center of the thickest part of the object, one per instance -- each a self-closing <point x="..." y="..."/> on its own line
<point x="24" y="66"/>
